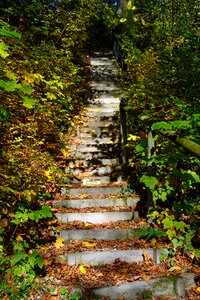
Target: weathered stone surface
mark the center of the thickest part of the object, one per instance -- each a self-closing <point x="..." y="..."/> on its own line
<point x="108" y="257"/>
<point x="99" y="190"/>
<point x="96" y="141"/>
<point x="96" y="217"/>
<point x="172" y="286"/>
<point x="100" y="234"/>
<point x="83" y="203"/>
<point x="93" y="148"/>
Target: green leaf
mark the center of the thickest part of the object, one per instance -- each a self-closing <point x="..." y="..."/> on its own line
<point x="161" y="126"/>
<point x="28" y="102"/>
<point x="176" y="242"/>
<point x="31" y="261"/>
<point x="3" y="50"/>
<point x="139" y="148"/>
<point x="4" y="114"/>
<point x="168" y="223"/>
<point x="9" y="33"/>
<point x="9" y="86"/>
<point x="46" y="211"/>
<point x="17" y="257"/>
<point x="40" y="262"/>
<point x="149" y="181"/>
<point x="179" y="124"/>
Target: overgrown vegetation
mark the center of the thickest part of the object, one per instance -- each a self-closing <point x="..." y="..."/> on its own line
<point x="43" y="87"/>
<point x="160" y="45"/>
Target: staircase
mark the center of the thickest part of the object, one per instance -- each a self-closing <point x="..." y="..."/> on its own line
<point x="98" y="212"/>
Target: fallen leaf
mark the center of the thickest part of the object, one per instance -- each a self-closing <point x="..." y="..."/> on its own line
<point x="146" y="256"/>
<point x="59" y="243"/>
<point x="89" y="245"/>
<point x="82" y="269"/>
<point x="99" y="274"/>
<point x="198" y="289"/>
<point x="175" y="268"/>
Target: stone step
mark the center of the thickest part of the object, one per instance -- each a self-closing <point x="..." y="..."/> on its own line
<point x="93" y="155"/>
<point x="98" y="62"/>
<point x="107" y="101"/>
<point x="97" y="217"/>
<point x="94" y="148"/>
<point x="100" y="171"/>
<point x="79" y="163"/>
<point x="98" y="105"/>
<point x="99" y="180"/>
<point x="94" y="134"/>
<point x="104" y="86"/>
<point x="107" y="117"/>
<point x="100" y="234"/>
<point x="96" y="141"/>
<point x="99" y="114"/>
<point x="96" y="202"/>
<point x="96" y="258"/>
<point x="100" y="125"/>
<point x="94" y="190"/>
<point x="172" y="286"/>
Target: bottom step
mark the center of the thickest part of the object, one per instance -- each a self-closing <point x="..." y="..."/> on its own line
<point x="173" y="286"/>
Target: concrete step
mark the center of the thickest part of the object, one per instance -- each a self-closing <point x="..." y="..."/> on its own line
<point x="97" y="171"/>
<point x="98" y="134"/>
<point x="104" y="86"/>
<point x="94" y="155"/>
<point x="96" y="202"/>
<point x="79" y="163"/>
<point x="172" y="286"/>
<point x="107" y="101"/>
<point x="96" y="141"/>
<point x="94" y="190"/>
<point x="98" y="180"/>
<point x="97" y="217"/>
<point x="100" y="125"/>
<point x="98" y="105"/>
<point x="100" y="234"/>
<point x="96" y="258"/>
<point x="94" y="148"/>
<point x="107" y="117"/>
<point x="100" y="114"/>
<point x="106" y="62"/>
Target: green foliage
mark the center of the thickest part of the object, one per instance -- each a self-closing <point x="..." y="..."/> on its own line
<point x="43" y="86"/>
<point x="159" y="42"/>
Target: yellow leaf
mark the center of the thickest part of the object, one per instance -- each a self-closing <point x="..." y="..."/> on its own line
<point x="87" y="224"/>
<point x="89" y="245"/>
<point x="19" y="238"/>
<point x="64" y="152"/>
<point x="99" y="274"/>
<point x="175" y="268"/>
<point x="59" y="243"/>
<point x="198" y="289"/>
<point x="82" y="269"/>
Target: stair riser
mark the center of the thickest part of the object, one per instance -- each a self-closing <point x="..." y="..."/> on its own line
<point x="109" y="257"/>
<point x="96" y="218"/>
<point x="92" y="155"/>
<point x="83" y="203"/>
<point x="91" y="134"/>
<point x="173" y="286"/>
<point x="94" y="148"/>
<point x="101" y="171"/>
<point x="96" y="141"/>
<point x="92" y="162"/>
<point x="99" y="234"/>
<point x="92" y="191"/>
<point x="98" y="180"/>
